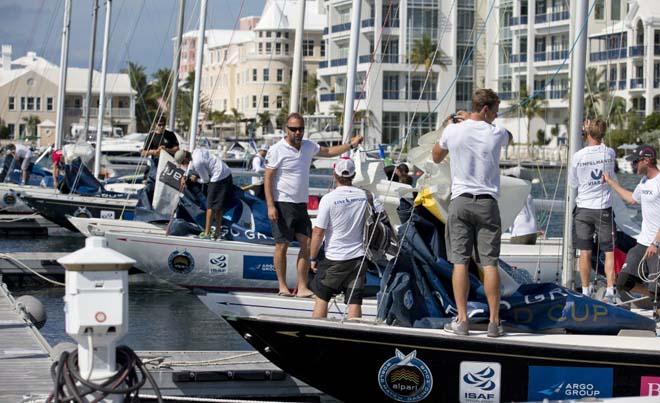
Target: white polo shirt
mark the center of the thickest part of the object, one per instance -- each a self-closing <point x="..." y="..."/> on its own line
<point x="341" y="214"/>
<point x="647" y="194"/>
<point x="291" y="166"/>
<point x="209" y="167"/>
<point x="586" y="174"/>
<point x="474" y="156"/>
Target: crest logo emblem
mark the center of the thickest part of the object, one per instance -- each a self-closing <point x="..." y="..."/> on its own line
<point x="405" y="378"/>
<point x="596" y="174"/>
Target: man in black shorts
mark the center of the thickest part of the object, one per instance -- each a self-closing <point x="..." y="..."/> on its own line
<point x="286" y="185"/>
<point x="159" y="139"/>
<point x="642" y="265"/>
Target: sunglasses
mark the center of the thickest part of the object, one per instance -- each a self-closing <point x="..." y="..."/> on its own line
<point x="300" y="129"/>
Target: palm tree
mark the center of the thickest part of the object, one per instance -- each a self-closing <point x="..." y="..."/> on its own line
<point x="138" y="78"/>
<point x="264" y="121"/>
<point x="423" y="53"/>
<point x="617" y="112"/>
<point x="236" y="118"/>
<point x="31" y="123"/>
<point x="309" y="94"/>
<point x="595" y="93"/>
<point x="160" y="87"/>
<point x="530" y="107"/>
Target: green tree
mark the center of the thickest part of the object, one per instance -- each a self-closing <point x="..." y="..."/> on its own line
<point x="143" y="105"/>
<point x="651" y="122"/>
<point x="423" y="53"/>
<point x="264" y="120"/>
<point x="308" y="104"/>
<point x="595" y="93"/>
<point x="184" y="102"/>
<point x="31" y="123"/>
<point x="540" y="137"/>
<point x="159" y="89"/>
<point x="617" y="112"/>
<point x="236" y="117"/>
<point x="530" y="107"/>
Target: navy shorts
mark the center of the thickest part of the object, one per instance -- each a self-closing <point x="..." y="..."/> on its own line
<point x="337" y="276"/>
<point x="219" y="193"/>
<point x="292" y="219"/>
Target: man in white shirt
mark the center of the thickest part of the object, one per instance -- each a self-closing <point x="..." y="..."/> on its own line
<point x="21" y="155"/>
<point x="593" y="212"/>
<point x="286" y="184"/>
<point x="340" y="221"/>
<point x="259" y="166"/>
<point x="213" y="171"/>
<point x="642" y="260"/>
<point x="474" y="216"/>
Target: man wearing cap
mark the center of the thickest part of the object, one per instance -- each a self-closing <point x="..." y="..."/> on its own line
<point x="593" y="212"/>
<point x="259" y="166"/>
<point x="286" y="184"/>
<point x="340" y="221"/>
<point x="206" y="168"/>
<point x="643" y="257"/>
<point x="474" y="216"/>
<point x="159" y="139"/>
<point x="21" y="155"/>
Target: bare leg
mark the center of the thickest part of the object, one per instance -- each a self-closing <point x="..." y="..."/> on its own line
<point x="609" y="269"/>
<point x="354" y="311"/>
<point x="492" y="288"/>
<point x="279" y="260"/>
<point x="303" y="266"/>
<point x="209" y="219"/>
<point x="218" y="222"/>
<point x="320" y="309"/>
<point x="584" y="261"/>
<point x="460" y="285"/>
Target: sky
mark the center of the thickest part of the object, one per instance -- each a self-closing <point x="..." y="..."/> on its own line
<point x="141" y="31"/>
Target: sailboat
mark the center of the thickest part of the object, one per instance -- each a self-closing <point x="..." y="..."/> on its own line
<point x="375" y="361"/>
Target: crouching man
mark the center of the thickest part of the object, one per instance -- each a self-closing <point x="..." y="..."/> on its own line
<point x="341" y="221"/>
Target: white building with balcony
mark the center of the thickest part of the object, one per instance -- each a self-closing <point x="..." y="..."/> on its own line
<point x="390" y="93"/>
<point x="29" y="87"/>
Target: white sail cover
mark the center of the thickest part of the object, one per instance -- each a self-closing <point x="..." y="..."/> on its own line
<point x="166" y="197"/>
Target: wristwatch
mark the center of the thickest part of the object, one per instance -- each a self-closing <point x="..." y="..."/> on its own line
<point x="656" y="244"/>
<point x="313" y="260"/>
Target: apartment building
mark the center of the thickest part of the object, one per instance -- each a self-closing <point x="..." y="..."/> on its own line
<point x="391" y="95"/>
<point x="28" y="87"/>
<point x="250" y="70"/>
<point x="532" y="39"/>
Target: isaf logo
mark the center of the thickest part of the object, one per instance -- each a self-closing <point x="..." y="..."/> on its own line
<point x="480" y="382"/>
<point x="405" y="378"/>
<point x="218" y="263"/>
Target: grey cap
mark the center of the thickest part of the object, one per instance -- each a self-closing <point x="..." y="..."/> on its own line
<point x="180" y="155"/>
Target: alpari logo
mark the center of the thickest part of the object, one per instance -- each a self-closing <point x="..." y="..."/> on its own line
<point x="567" y="389"/>
<point x="405" y="378"/>
<point x="482" y="380"/>
<point x="596" y="174"/>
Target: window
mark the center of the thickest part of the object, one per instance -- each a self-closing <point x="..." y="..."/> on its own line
<point x="267" y="34"/>
<point x="269" y="47"/>
<point x="391" y="128"/>
<point x="616" y="9"/>
<point x="254" y="74"/>
<point x="599" y="10"/>
<point x="21" y="130"/>
<point x="11" y="128"/>
<point x="286" y="48"/>
<point x="390" y="86"/>
<point x="261" y="47"/>
<point x="30" y="103"/>
<point x="286" y="35"/>
<point x="265" y="102"/>
<point x="261" y="34"/>
<point x="278" y="48"/>
<point x="266" y="75"/>
<point x="280" y="75"/>
<point x="322" y="48"/>
<point x="417" y="82"/>
<point x="77" y="102"/>
<point x="38" y="104"/>
<point x="254" y="101"/>
<point x="279" y="101"/>
<point x="12" y="106"/>
<point x="390" y="51"/>
<point x="278" y="34"/>
<point x="308" y="48"/>
<point x="22" y="103"/>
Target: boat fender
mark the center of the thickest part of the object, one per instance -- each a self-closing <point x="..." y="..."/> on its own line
<point x="82" y="212"/>
<point x="9" y="199"/>
<point x="34" y="310"/>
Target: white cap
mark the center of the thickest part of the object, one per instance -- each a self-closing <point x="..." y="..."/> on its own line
<point x="345" y="168"/>
<point x="264" y="147"/>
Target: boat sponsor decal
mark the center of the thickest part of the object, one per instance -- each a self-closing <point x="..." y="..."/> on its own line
<point x="181" y="262"/>
<point x="218" y="263"/>
<point x="650" y="386"/>
<point x="108" y="214"/>
<point x="480" y="382"/>
<point x="405" y="378"/>
<point x="9" y="199"/>
<point x="568" y="383"/>
<point x="82" y="212"/>
<point x="171" y="176"/>
<point x="259" y="268"/>
<point x="237" y="233"/>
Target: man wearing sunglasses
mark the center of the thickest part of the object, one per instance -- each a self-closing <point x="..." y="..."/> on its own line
<point x="286" y="186"/>
<point x="642" y="260"/>
<point x="159" y="139"/>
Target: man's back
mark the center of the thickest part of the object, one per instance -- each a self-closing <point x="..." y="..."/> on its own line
<point x="586" y="174"/>
<point x="209" y="167"/>
<point x="474" y="151"/>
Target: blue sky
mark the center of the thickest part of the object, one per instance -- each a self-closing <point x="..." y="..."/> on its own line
<point x="141" y="30"/>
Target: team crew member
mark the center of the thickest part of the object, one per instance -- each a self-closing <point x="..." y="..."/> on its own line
<point x="212" y="170"/>
<point x="403" y="172"/>
<point x="58" y="164"/>
<point x="259" y="166"/>
<point x="159" y="139"/>
<point x="593" y="212"/>
<point x="21" y="155"/>
<point x="647" y="193"/>
<point x="474" y="214"/>
<point x="340" y="221"/>
<point x="286" y="184"/>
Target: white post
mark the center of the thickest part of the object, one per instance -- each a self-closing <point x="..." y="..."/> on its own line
<point x="104" y="69"/>
<point x="92" y="49"/>
<point x="296" y="77"/>
<point x="199" y="54"/>
<point x="175" y="64"/>
<point x="352" y="67"/>
<point x="575" y="139"/>
<point x="64" y="61"/>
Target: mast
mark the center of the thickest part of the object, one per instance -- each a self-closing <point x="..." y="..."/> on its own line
<point x="104" y="70"/>
<point x="296" y="76"/>
<point x="64" y="62"/>
<point x="352" y="67"/>
<point x="92" y="49"/>
<point x="175" y="65"/>
<point x="575" y="141"/>
<point x="199" y="54"/>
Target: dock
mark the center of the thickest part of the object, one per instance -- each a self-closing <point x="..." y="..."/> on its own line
<point x="26" y="225"/>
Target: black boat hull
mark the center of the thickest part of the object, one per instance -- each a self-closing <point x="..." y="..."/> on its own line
<point x="354" y="363"/>
<point x="56" y="210"/>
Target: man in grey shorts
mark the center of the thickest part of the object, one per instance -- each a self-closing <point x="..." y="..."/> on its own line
<point x="593" y="211"/>
<point x="474" y="215"/>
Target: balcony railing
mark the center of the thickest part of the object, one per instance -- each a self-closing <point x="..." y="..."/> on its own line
<point x="656" y="50"/>
<point x="656" y="83"/>
<point x="507" y="95"/>
<point x="636" y="83"/>
<point x="557" y="94"/>
<point x="558" y="55"/>
<point x="93" y="112"/>
<point x="608" y="54"/>
<point x="389" y="58"/>
<point x="368" y="23"/>
<point x="341" y="27"/>
<point x="323" y="64"/>
<point x="522" y="20"/>
<point x="612" y="85"/>
<point x="339" y="96"/>
<point x="622" y="84"/>
<point x="364" y="59"/>
<point x="325" y="30"/>
<point x="338" y="62"/>
<point x="391" y="94"/>
<point x="539" y="56"/>
<point x="541" y="18"/>
<point x="637" y="50"/>
<point x="329" y="97"/>
<point x="559" y="16"/>
<point x="522" y="58"/>
<point x="391" y="22"/>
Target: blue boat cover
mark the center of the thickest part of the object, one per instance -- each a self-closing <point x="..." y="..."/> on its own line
<point x="417" y="292"/>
